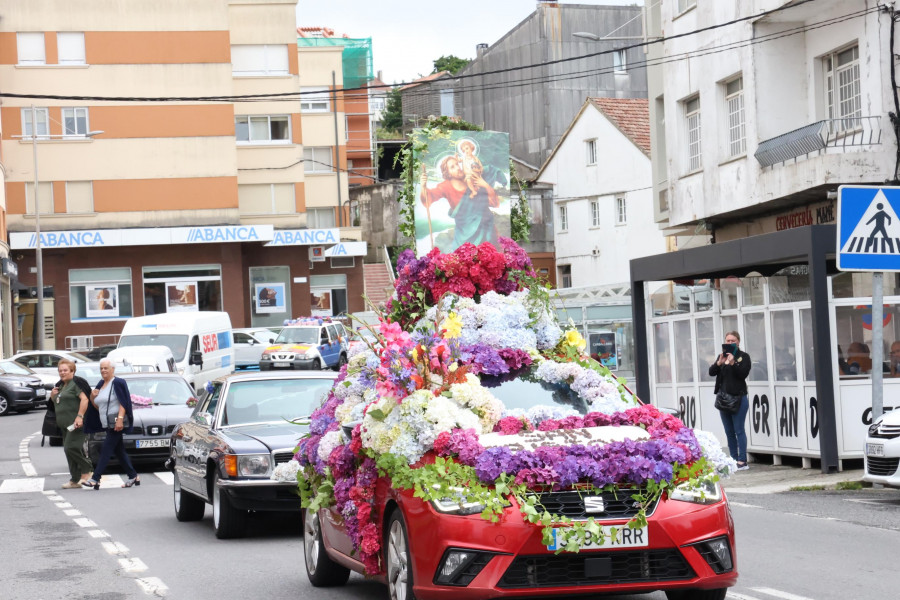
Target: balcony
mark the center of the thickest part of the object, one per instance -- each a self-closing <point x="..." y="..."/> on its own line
<point x="819" y="137"/>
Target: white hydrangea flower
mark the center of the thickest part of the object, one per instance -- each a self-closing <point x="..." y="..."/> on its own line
<point x="286" y="471"/>
<point x="714" y="453"/>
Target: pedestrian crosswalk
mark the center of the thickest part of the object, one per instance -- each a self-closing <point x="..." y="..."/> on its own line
<point x="763" y="593"/>
<point x="40" y="484"/>
<point x="873" y="245"/>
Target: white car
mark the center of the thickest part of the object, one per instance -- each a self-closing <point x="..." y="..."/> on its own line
<point x="45" y="363"/>
<point x="883" y="450"/>
<point x="260" y="333"/>
<point x="249" y="345"/>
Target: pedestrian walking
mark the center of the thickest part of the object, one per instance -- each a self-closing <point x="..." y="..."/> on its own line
<point x="730" y="370"/>
<point x="111" y="403"/>
<point x="70" y="395"/>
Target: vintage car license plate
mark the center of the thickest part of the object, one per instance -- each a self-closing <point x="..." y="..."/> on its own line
<point x="40" y="392"/>
<point x="163" y="443"/>
<point x="874" y="449"/>
<point x="625" y="538"/>
<point x="282" y="364"/>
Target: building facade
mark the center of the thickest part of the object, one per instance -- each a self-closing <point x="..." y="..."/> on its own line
<point x="157" y="202"/>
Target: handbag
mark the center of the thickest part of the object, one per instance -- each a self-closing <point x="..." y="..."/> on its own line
<point x="49" y="428"/>
<point x="728" y="403"/>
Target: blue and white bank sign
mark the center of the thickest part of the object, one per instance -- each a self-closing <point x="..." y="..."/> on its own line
<point x="104" y="238"/>
<point x="868" y="228"/>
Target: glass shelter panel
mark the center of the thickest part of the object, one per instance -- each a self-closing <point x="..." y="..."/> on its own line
<point x="754" y="291"/>
<point x="663" y="362"/>
<point x="854" y="338"/>
<point x="859" y="285"/>
<point x="808" y="353"/>
<point x="728" y="289"/>
<point x="684" y="359"/>
<point x="706" y="347"/>
<point x="790" y="284"/>
<point x="785" y="356"/>
<point x="754" y="343"/>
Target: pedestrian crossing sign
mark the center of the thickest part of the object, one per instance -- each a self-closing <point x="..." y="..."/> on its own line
<point x="868" y="228"/>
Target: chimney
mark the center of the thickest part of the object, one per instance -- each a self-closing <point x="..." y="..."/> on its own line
<point x="379" y="75"/>
<point x="480" y="49"/>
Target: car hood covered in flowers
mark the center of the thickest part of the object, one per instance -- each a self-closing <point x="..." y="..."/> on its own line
<point x="411" y="406"/>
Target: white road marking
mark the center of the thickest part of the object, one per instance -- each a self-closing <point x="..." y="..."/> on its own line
<point x="737" y="596"/>
<point x="152" y="586"/>
<point x="115" y="548"/>
<point x="16" y="486"/>
<point x="53" y="496"/>
<point x="63" y="505"/>
<point x="85" y="522"/>
<point x="72" y="512"/>
<point x="132" y="565"/>
<point x="743" y="505"/>
<point x="780" y="594"/>
<point x="111" y="481"/>
<point x="98" y="533"/>
<point x="167" y="477"/>
<point x="29" y="469"/>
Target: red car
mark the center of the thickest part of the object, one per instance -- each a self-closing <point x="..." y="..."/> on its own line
<point x="447" y="550"/>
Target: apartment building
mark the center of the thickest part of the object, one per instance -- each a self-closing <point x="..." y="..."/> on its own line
<point x="161" y="190"/>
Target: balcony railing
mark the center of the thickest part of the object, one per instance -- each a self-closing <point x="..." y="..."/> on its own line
<point x="818" y="137"/>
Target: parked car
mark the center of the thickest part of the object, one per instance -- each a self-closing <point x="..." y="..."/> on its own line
<point x="11" y="366"/>
<point x="20" y="392"/>
<point x="100" y="351"/>
<point x="266" y="334"/>
<point x="882" y="450"/>
<point x="45" y="363"/>
<point x="249" y="346"/>
<point x="243" y="425"/>
<point x="90" y="371"/>
<point x="360" y="337"/>
<point x="307" y="347"/>
<point x="144" y="358"/>
<point x="446" y="549"/>
<point x="160" y="401"/>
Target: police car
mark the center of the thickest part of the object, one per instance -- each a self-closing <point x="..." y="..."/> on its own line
<point x="309" y="343"/>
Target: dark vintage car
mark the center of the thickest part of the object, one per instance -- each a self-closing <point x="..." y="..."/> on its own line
<point x="243" y="426"/>
<point x="169" y="404"/>
<point x="20" y="389"/>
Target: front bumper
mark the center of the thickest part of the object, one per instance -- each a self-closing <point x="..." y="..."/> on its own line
<point x="883" y="469"/>
<point x="304" y="364"/>
<point x="261" y="494"/>
<point x="25" y="398"/>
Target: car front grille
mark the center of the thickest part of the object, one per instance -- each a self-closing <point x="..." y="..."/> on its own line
<point x="596" y="568"/>
<point x="283" y="456"/>
<point x="886" y="432"/>
<point x="616" y="505"/>
<point x="282" y="356"/>
<point x="882" y="466"/>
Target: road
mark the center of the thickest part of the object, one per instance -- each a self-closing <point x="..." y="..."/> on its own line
<point x="120" y="544"/>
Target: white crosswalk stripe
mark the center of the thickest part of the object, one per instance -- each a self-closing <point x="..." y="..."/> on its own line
<point x="737" y="596"/>
<point x="167" y="477"/>
<point x="152" y="586"/>
<point x="780" y="594"/>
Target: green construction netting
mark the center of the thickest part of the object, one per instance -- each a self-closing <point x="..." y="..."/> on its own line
<point x="356" y="59"/>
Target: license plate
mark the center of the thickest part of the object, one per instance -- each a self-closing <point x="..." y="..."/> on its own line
<point x="282" y="364"/>
<point x="625" y="538"/>
<point x="163" y="443"/>
<point x="40" y="392"/>
<point x="874" y="449"/>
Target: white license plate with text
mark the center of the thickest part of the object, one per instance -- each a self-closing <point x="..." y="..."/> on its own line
<point x="282" y="364"/>
<point x="874" y="449"/>
<point x="41" y="392"/>
<point x="624" y="538"/>
<point x="163" y="443"/>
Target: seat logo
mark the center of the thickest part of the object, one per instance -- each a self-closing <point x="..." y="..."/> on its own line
<point x="594" y="504"/>
<point x="154" y="430"/>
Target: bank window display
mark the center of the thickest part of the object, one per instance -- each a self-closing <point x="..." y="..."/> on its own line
<point x="684" y="358"/>
<point x="100" y="294"/>
<point x="707" y="348"/>
<point x="808" y="354"/>
<point x="790" y="284"/>
<point x="328" y="295"/>
<point x="753" y="291"/>
<point x="753" y="341"/>
<point x="661" y="344"/>
<point x="785" y="352"/>
<point x="183" y="288"/>
<point x="854" y="337"/>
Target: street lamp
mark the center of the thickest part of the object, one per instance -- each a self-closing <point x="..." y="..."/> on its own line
<point x="596" y="38"/>
<point x="38" y="258"/>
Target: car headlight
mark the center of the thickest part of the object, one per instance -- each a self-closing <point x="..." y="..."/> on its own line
<point x="254" y="465"/>
<point x="311" y="353"/>
<point x="455" y="503"/>
<point x="873" y="428"/>
<point x="20" y="384"/>
<point x="704" y="492"/>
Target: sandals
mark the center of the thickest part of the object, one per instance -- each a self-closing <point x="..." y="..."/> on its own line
<point x="72" y="485"/>
<point x="90" y="483"/>
<point x="130" y="482"/>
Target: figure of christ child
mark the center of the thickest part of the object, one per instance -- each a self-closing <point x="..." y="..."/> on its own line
<point x="472" y="215"/>
<point x="472" y="167"/>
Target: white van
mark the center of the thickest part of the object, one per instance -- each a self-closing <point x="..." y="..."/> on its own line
<point x="143" y="359"/>
<point x="200" y="342"/>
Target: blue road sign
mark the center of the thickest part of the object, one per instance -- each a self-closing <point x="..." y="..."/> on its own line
<point x="868" y="228"/>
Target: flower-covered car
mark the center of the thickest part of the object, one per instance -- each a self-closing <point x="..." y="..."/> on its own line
<point x="243" y="430"/>
<point x="473" y="450"/>
<point x="308" y="343"/>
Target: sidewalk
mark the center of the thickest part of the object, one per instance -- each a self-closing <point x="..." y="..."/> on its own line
<point x="770" y="479"/>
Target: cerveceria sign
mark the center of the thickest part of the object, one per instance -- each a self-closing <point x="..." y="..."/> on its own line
<point x="811" y="215"/>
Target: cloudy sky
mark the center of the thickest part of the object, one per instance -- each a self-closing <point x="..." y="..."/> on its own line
<point x="407" y="35"/>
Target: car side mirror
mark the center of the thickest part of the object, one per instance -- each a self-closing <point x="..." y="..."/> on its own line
<point x="196" y="358"/>
<point x="675" y="412"/>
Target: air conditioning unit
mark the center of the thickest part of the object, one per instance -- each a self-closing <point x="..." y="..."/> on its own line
<point x="82" y="342"/>
<point x="317" y="254"/>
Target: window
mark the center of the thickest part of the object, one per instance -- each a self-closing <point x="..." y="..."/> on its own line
<point x="590" y="147"/>
<point x="266" y="199"/>
<point x="595" y="213"/>
<point x="315" y="99"/>
<point x="343" y="262"/>
<point x="75" y="121"/>
<point x="180" y="288"/>
<point x="565" y="276"/>
<point x="346" y="128"/>
<point x="563" y="218"/>
<point x="683" y="5"/>
<point x="30" y="48"/>
<point x="43" y="119"/>
<point x="318" y="159"/>
<point x="262" y="129"/>
<point x="79" y="197"/>
<point x="734" y="108"/>
<point x="692" y="122"/>
<point x="842" y="95"/>
<point x="100" y="293"/>
<point x="70" y="47"/>
<point x="621" y="215"/>
<point x="259" y="60"/>
<point x="45" y="193"/>
<point x="319" y="218"/>
<point x="619" y="64"/>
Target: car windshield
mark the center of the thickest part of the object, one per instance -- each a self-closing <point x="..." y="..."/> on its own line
<point x="298" y="335"/>
<point x="11" y="366"/>
<point x="524" y="392"/>
<point x="163" y="390"/>
<point x="78" y="356"/>
<point x="273" y="400"/>
<point x="176" y="343"/>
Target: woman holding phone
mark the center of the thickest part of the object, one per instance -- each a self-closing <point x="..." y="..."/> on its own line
<point x="730" y="370"/>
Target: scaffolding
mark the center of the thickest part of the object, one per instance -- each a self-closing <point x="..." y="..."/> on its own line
<point x="356" y="60"/>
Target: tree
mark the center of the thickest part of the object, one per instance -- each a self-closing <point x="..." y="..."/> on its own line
<point x="392" y="117"/>
<point x="450" y="63"/>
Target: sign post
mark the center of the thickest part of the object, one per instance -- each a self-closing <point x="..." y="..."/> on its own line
<point x="868" y="230"/>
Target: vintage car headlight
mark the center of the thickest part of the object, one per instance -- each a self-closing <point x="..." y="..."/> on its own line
<point x="248" y="465"/>
<point x="704" y="492"/>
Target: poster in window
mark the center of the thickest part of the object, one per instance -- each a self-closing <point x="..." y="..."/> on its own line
<point x="270" y="298"/>
<point x="603" y="349"/>
<point x="102" y="300"/>
<point x="320" y="302"/>
<point x="182" y="297"/>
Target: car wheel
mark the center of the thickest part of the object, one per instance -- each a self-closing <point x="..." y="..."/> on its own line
<point x="321" y="570"/>
<point x="264" y="367"/>
<point x="188" y="507"/>
<point x="341" y="362"/>
<point x="228" y="521"/>
<point x="55" y="441"/>
<point x="697" y="594"/>
<point x="397" y="559"/>
<point x="4" y="405"/>
<point x="317" y="365"/>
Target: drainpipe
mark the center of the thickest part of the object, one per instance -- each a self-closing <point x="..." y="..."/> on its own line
<point x="337" y="149"/>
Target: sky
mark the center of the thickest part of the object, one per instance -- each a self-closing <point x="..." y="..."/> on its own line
<point x="407" y="35"/>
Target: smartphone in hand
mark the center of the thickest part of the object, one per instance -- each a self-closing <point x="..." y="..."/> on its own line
<point x="729" y="349"/>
